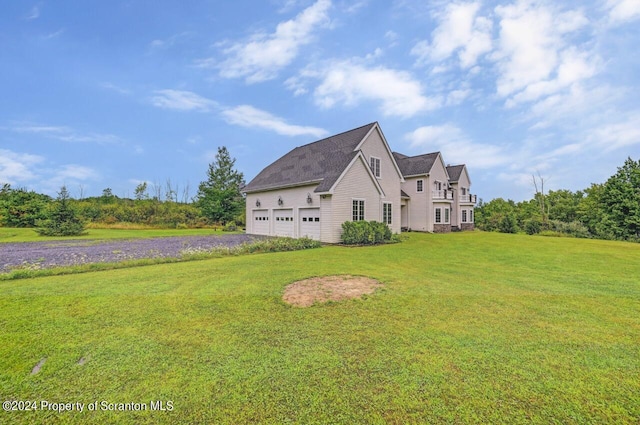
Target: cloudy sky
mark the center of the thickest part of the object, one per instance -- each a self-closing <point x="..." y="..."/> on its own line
<point x="98" y="94"/>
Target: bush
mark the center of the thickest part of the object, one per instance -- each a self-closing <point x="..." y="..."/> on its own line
<point x="230" y="227"/>
<point x="508" y="224"/>
<point x="365" y="233"/>
<point x="533" y="226"/>
<point x="574" y="228"/>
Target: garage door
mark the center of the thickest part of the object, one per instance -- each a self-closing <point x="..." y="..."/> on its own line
<point x="283" y="223"/>
<point x="261" y="222"/>
<point x="310" y="223"/>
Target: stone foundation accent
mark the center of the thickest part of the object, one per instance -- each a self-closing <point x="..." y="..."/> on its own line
<point x="467" y="226"/>
<point x="441" y="228"/>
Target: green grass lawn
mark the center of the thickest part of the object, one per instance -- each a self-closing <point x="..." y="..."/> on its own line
<point x="469" y="328"/>
<point x="11" y="234"/>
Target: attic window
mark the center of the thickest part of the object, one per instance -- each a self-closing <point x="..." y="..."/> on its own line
<point x="375" y="166"/>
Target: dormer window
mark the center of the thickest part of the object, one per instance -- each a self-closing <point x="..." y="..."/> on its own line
<point x="375" y="166"/>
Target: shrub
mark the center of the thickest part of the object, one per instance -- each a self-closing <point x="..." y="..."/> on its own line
<point x="365" y="233"/>
<point x="508" y="224"/>
<point x="574" y="228"/>
<point x="533" y="226"/>
<point x="230" y="227"/>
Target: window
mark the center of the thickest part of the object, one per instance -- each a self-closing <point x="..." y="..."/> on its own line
<point x="464" y="191"/>
<point x="438" y="185"/>
<point x="358" y="210"/>
<point x="470" y="216"/>
<point x="446" y="215"/>
<point x="375" y="166"/>
<point x="438" y="215"/>
<point x="464" y="216"/>
<point x="386" y="213"/>
<point x="317" y="220"/>
<point x="420" y="186"/>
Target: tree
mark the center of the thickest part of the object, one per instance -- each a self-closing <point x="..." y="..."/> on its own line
<point x="620" y="200"/>
<point x="141" y="191"/>
<point x="219" y="197"/>
<point x="62" y="220"/>
<point x="21" y="208"/>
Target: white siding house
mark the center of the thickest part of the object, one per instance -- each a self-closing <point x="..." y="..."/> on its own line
<point x="354" y="175"/>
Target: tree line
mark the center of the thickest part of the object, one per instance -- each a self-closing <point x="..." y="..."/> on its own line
<point x="609" y="210"/>
<point x="218" y="202"/>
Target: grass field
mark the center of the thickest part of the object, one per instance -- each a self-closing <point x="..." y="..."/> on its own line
<point x="12" y="234"/>
<point x="469" y="328"/>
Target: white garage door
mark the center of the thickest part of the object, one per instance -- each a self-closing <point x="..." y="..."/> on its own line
<point x="310" y="223"/>
<point x="283" y="223"/>
<point x="261" y="222"/>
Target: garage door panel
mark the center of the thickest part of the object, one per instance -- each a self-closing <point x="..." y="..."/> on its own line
<point x="283" y="223"/>
<point x="261" y="222"/>
<point x="310" y="223"/>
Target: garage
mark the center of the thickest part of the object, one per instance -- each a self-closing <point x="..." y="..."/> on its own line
<point x="310" y="223"/>
<point x="261" y="222"/>
<point x="283" y="223"/>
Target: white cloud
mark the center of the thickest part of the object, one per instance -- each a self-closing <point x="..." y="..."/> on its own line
<point x="75" y="172"/>
<point x="34" y="13"/>
<point x="534" y="57"/>
<point x="615" y="135"/>
<point x="264" y="55"/>
<point x="456" y="147"/>
<point x="182" y="101"/>
<point x="17" y="167"/>
<point x="65" y="134"/>
<point x="248" y="116"/>
<point x="460" y="30"/>
<point x="350" y="82"/>
<point x="622" y="11"/>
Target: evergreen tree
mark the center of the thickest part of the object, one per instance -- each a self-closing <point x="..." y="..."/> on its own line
<point x="62" y="220"/>
<point x="219" y="197"/>
<point x="621" y="201"/>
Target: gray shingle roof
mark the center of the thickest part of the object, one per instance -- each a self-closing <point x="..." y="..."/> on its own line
<point x="454" y="172"/>
<point x="322" y="161"/>
<point x="415" y="165"/>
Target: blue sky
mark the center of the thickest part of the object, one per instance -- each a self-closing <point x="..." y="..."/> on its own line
<point x="110" y="94"/>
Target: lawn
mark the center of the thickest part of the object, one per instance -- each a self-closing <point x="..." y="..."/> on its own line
<point x="469" y="328"/>
<point x="12" y="234"/>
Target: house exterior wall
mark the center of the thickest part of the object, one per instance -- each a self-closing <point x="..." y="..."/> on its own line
<point x="292" y="198"/>
<point x="418" y="205"/>
<point x="460" y="205"/>
<point x="390" y="178"/>
<point x="356" y="184"/>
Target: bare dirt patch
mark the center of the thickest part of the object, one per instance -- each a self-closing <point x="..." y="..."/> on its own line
<point x="305" y="293"/>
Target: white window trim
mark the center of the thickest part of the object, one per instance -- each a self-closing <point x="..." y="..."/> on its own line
<point x="447" y="215"/>
<point x="388" y="222"/>
<point x="378" y="162"/>
<point x="420" y="190"/>
<point x="364" y="206"/>
<point x="435" y="215"/>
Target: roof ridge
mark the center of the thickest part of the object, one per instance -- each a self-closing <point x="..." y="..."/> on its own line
<point x="339" y="134"/>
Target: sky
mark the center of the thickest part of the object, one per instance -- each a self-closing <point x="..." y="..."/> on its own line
<point x="97" y="94"/>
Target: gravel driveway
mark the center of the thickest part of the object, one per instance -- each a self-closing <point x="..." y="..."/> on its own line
<point x="73" y="252"/>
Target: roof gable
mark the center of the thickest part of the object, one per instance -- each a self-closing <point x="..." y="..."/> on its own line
<point x="321" y="162"/>
<point x="416" y="165"/>
<point x="455" y="172"/>
<point x="358" y="157"/>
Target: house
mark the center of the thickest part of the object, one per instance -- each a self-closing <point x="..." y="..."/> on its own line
<point x="354" y="175"/>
